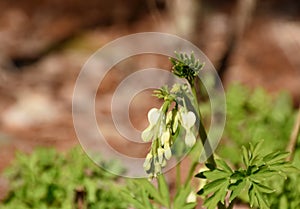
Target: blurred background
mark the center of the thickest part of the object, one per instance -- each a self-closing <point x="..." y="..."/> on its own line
<point x="44" y="44"/>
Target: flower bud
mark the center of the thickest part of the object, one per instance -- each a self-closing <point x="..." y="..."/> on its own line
<point x="168" y="152"/>
<point x="175" y="123"/>
<point x="190" y="139"/>
<point x="165" y="137"/>
<point x="160" y="155"/>
<point x="169" y="117"/>
<point x="148" y="162"/>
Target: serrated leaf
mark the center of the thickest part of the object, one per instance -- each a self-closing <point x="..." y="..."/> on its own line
<point x="181" y="196"/>
<point x="261" y="200"/>
<point x="237" y="175"/>
<point x="245" y="156"/>
<point x="147" y="204"/>
<point x="164" y="190"/>
<point x="275" y="157"/>
<point x="191" y="205"/>
<point x="213" y="186"/>
<point x="257" y="148"/>
<point x="251" y="195"/>
<point x="153" y="192"/>
<point x="215" y="174"/>
<point x="223" y="165"/>
<point x="132" y="200"/>
<point x="218" y="196"/>
<point x="263" y="188"/>
<point x="237" y="189"/>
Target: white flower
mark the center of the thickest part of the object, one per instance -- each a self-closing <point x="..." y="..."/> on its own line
<point x="148" y="162"/>
<point x="175" y="122"/>
<point x="165" y="137"/>
<point x="168" y="152"/>
<point x="153" y="116"/>
<point x="147" y="134"/>
<point x="160" y="155"/>
<point x="190" y="139"/>
<point x="164" y="163"/>
<point x="188" y="119"/>
<point x="169" y="117"/>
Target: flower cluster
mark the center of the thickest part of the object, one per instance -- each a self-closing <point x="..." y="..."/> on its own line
<point x="163" y="128"/>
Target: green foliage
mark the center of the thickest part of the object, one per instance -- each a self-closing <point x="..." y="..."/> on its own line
<point x="47" y="179"/>
<point x="252" y="116"/>
<point x="252" y="178"/>
<point x="142" y="194"/>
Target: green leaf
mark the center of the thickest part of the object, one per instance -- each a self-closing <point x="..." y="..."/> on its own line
<point x="261" y="200"/>
<point x="275" y="157"/>
<point x="153" y="192"/>
<point x="132" y="200"/>
<point x="219" y="196"/>
<point x="223" y="165"/>
<point x="181" y="196"/>
<point x="164" y="190"/>
<point x="262" y="188"/>
<point x="257" y="148"/>
<point x="147" y="204"/>
<point x="213" y="186"/>
<point x="191" y="205"/>
<point x="245" y="156"/>
<point x="252" y="198"/>
<point x="212" y="175"/>
<point x="236" y="188"/>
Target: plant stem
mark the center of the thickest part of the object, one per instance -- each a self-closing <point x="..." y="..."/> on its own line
<point x="201" y="130"/>
<point x="294" y="136"/>
<point x="193" y="166"/>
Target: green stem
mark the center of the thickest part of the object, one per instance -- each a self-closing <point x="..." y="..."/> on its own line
<point x="294" y="136"/>
<point x="201" y="130"/>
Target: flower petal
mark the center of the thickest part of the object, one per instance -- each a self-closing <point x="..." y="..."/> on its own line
<point x="147" y="134"/>
<point x="168" y="153"/>
<point x="165" y="137"/>
<point x="160" y="155"/>
<point x="188" y="119"/>
<point x="148" y="162"/>
<point x="175" y="123"/>
<point x="153" y="116"/>
<point x="190" y="139"/>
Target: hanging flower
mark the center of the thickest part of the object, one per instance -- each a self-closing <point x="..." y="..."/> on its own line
<point x="165" y="137"/>
<point x="190" y="139"/>
<point x="153" y="116"/>
<point x="188" y="120"/>
<point x="168" y="152"/>
<point x="148" y="162"/>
